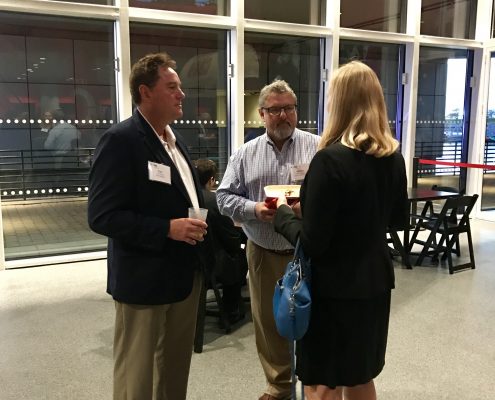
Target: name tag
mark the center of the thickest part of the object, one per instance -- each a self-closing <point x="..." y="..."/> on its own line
<point x="298" y="172"/>
<point x="159" y="172"/>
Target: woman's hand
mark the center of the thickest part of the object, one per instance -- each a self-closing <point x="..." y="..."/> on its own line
<point x="281" y="200"/>
<point x="296" y="207"/>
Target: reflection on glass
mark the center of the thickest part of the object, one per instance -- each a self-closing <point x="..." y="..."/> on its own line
<point x="210" y="7"/>
<point x="453" y="18"/>
<point x="57" y="96"/>
<point x="202" y="67"/>
<point x="100" y="2"/>
<point x="384" y="59"/>
<point x="293" y="59"/>
<point x="440" y="114"/>
<point x="296" y="11"/>
<point x="378" y="15"/>
<point x="488" y="193"/>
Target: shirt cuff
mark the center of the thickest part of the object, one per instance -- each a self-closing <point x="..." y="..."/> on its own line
<point x="249" y="208"/>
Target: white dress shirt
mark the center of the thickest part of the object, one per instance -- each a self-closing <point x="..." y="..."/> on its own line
<point x="178" y="159"/>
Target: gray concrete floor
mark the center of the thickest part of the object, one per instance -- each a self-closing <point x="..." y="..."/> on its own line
<point x="56" y="326"/>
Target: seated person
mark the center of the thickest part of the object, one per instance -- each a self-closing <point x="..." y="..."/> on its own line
<point x="230" y="261"/>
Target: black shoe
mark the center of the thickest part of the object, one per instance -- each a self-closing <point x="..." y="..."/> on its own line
<point x="235" y="316"/>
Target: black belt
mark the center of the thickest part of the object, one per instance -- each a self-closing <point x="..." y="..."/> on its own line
<point x="286" y="252"/>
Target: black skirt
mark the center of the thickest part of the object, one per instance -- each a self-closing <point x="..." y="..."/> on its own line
<point x="345" y="343"/>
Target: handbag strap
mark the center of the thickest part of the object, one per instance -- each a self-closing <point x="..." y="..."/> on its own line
<point x="297" y="249"/>
<point x="299" y="255"/>
<point x="298" y="245"/>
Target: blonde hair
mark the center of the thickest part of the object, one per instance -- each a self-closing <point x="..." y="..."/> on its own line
<point x="357" y="113"/>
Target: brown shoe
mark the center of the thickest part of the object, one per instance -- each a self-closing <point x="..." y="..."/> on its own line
<point x="267" y="396"/>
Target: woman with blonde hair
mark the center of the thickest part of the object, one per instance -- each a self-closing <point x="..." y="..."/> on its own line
<point x="354" y="190"/>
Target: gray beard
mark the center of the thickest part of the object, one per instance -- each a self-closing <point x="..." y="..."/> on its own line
<point x="283" y="133"/>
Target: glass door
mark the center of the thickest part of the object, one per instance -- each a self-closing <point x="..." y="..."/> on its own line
<point x="387" y="60"/>
<point x="57" y="97"/>
<point x="442" y="125"/>
<point x="488" y="182"/>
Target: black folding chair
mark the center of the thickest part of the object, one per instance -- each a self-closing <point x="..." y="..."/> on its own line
<point x="447" y="189"/>
<point x="449" y="226"/>
<point x="209" y="282"/>
<point x="429" y="208"/>
<point x="397" y="249"/>
<point x="214" y="306"/>
<point x="429" y="204"/>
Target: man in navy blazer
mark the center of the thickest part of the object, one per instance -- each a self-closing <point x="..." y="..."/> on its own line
<point x="141" y="185"/>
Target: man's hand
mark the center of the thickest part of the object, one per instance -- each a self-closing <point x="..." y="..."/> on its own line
<point x="263" y="213"/>
<point x="187" y="230"/>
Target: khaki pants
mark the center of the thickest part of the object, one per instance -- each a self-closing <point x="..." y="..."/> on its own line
<point x="265" y="268"/>
<point x="153" y="348"/>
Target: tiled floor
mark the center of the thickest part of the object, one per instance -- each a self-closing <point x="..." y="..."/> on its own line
<point x="56" y="327"/>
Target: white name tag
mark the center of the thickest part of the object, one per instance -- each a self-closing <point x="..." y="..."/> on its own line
<point x="159" y="172"/>
<point x="298" y="172"/>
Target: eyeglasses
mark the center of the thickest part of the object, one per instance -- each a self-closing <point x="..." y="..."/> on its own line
<point x="276" y="111"/>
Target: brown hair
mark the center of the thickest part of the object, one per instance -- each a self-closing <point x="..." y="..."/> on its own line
<point x="357" y="116"/>
<point x="207" y="169"/>
<point x="145" y="72"/>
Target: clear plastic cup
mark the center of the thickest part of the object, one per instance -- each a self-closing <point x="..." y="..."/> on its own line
<point x="198" y="213"/>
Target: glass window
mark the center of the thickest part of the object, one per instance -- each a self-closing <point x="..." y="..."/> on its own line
<point x="386" y="61"/>
<point x="377" y="15"/>
<point x="493" y="21"/>
<point x="211" y="7"/>
<point x="293" y="59"/>
<point x="453" y="18"/>
<point x="202" y="67"/>
<point x="308" y="12"/>
<point x="442" y="120"/>
<point x="488" y="193"/>
<point x="57" y="96"/>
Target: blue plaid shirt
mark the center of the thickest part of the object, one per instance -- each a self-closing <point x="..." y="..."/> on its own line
<point x="256" y="164"/>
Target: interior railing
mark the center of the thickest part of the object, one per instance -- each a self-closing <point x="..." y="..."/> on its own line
<point x="29" y="174"/>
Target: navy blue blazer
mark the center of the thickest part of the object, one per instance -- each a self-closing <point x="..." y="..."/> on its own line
<point x="144" y="265"/>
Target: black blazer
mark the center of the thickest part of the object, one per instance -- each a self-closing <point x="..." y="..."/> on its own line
<point x="348" y="200"/>
<point x="144" y="265"/>
<point x="225" y="235"/>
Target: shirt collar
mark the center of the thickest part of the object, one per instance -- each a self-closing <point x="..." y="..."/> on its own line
<point x="169" y="135"/>
<point x="286" y="144"/>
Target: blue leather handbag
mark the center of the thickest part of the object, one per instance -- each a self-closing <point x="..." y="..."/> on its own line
<point x="292" y="297"/>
